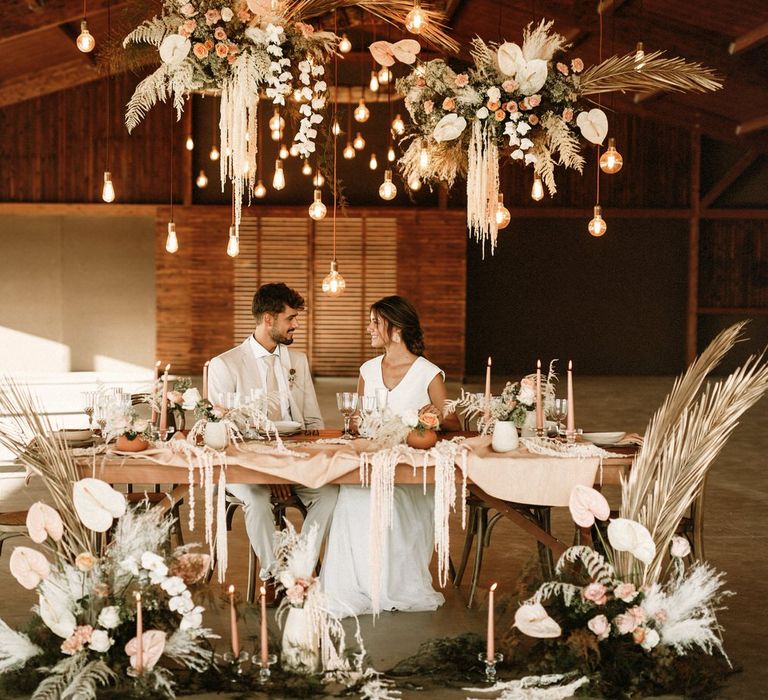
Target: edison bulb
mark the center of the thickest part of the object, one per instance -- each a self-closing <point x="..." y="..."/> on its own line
<point x="537" y="190"/>
<point x="85" y="41"/>
<point x="374" y="83"/>
<point x="278" y="181"/>
<point x="373" y="163"/>
<point x="233" y="244"/>
<point x="359" y="142"/>
<point x="361" y="112"/>
<point x="597" y="227"/>
<point x="202" y="180"/>
<point x="171" y="241"/>
<point x="317" y="209"/>
<point x="385" y="75"/>
<point x="334" y="284"/>
<point x="306" y="169"/>
<point x="387" y="191"/>
<point x="284" y="152"/>
<point x="349" y="151"/>
<point x="276" y="122"/>
<point x="415" y="19"/>
<point x="276" y="135"/>
<point x="639" y="56"/>
<point x="345" y="45"/>
<point x="189" y="144"/>
<point x="108" y="191"/>
<point x="611" y="161"/>
<point x="503" y="217"/>
<point x="335" y="129"/>
<point x="423" y="159"/>
<point x="318" y="180"/>
<point x="391" y="155"/>
<point x="294" y="150"/>
<point x="398" y="125"/>
<point x="260" y="191"/>
<point x="214" y="154"/>
<point x="414" y="184"/>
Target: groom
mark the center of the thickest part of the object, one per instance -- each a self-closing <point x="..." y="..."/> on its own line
<point x="264" y="362"/>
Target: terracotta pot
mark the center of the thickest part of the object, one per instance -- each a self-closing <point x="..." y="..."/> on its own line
<point x="421" y="440"/>
<point x="125" y="444"/>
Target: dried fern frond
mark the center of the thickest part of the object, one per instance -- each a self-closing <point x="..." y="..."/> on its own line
<point x="447" y="161"/>
<point x="539" y="43"/>
<point x="484" y="56"/>
<point x="563" y="141"/>
<point x="620" y="73"/>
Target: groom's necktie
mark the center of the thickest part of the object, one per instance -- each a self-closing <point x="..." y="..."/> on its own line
<point x="274" y="406"/>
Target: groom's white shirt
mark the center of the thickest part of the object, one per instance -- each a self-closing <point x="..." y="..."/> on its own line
<point x="242" y="369"/>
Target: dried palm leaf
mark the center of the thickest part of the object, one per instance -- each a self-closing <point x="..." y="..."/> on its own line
<point x="621" y="73"/>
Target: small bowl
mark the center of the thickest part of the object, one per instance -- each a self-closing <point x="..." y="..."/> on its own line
<point x="75" y="435"/>
<point x="603" y="438"/>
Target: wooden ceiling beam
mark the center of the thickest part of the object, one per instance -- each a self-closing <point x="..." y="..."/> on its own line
<point x="756" y="124"/>
<point x="14" y="22"/>
<point x="52" y="79"/>
<point x="750" y="40"/>
<point x="640" y="97"/>
<point x="731" y="175"/>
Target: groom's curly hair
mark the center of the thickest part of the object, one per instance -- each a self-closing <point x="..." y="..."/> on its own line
<point x="399" y="313"/>
<point x="273" y="298"/>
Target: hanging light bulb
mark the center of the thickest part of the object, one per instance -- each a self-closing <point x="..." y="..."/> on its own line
<point x="276" y="122"/>
<point x="387" y="191"/>
<point x="373" y="163"/>
<point x="233" y="244"/>
<point x="284" y="152"/>
<point x="334" y="284"/>
<point x="276" y="135"/>
<point x="202" y="180"/>
<point x="374" y="84"/>
<point x="597" y="226"/>
<point x="398" y="125"/>
<point x="503" y="217"/>
<point x="385" y="75"/>
<point x="414" y="184"/>
<point x="611" y="161"/>
<point x="361" y="112"/>
<point x="189" y="144"/>
<point x="359" y="142"/>
<point x="537" y="191"/>
<point x="306" y="169"/>
<point x="415" y="19"/>
<point x="391" y="155"/>
<point x="294" y="150"/>
<point x="260" y="191"/>
<point x="297" y="96"/>
<point x="349" y="151"/>
<point x="345" y="45"/>
<point x="336" y="129"/>
<point x="278" y="181"/>
<point x="639" y="56"/>
<point x="171" y="241"/>
<point x="85" y="41"/>
<point x="108" y="191"/>
<point x="423" y="159"/>
<point x="317" y="209"/>
<point x="214" y="154"/>
<point x="318" y="180"/>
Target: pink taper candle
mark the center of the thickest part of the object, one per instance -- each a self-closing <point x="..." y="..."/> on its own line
<point x="487" y="413"/>
<point x="539" y="402"/>
<point x="139" y="636"/>
<point x="205" y="379"/>
<point x="570" y="425"/>
<point x="164" y="401"/>
<point x="233" y="624"/>
<point x="264" y="639"/>
<point x="154" y="389"/>
<point x="491" y="651"/>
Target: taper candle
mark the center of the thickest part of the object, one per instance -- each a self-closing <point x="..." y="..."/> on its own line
<point x="164" y="402"/>
<point x="491" y="650"/>
<point x="139" y="636"/>
<point x="264" y="638"/>
<point x="487" y="412"/>
<point x="205" y="379"/>
<point x="539" y="402"/>
<point x="233" y="624"/>
<point x="154" y="389"/>
<point x="570" y="425"/>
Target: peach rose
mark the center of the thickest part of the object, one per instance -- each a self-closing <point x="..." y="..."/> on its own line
<point x="534" y="100"/>
<point x="233" y="49"/>
<point x="500" y="115"/>
<point x="492" y="105"/>
<point x="420" y="82"/>
<point x="600" y="626"/>
<point x="510" y="85"/>
<point x="638" y="614"/>
<point x="429" y="420"/>
<point x="243" y="15"/>
<point x="626" y="592"/>
<point x="639" y="634"/>
<point x="595" y="592"/>
<point x="188" y="10"/>
<point x="190" y="25"/>
<point x="200" y="51"/>
<point x="222" y="50"/>
<point x="562" y="68"/>
<point x="209" y="44"/>
<point x="533" y="119"/>
<point x="449" y="104"/>
<point x="71" y="645"/>
<point x="462" y="79"/>
<point x="577" y="65"/>
<point x="85" y="561"/>
<point x="511" y="106"/>
<point x="625" y="623"/>
<point x="212" y="16"/>
<point x="428" y="106"/>
<point x="220" y="34"/>
<point x="183" y="32"/>
<point x="567" y="114"/>
<point x="231" y="59"/>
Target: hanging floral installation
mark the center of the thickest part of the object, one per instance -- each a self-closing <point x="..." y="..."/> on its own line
<point x="245" y="51"/>
<point x="529" y="103"/>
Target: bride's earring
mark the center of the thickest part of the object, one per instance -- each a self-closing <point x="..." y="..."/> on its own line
<point x="396" y="338"/>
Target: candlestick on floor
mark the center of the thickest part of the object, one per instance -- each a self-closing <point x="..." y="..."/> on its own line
<point x="490" y="665"/>
<point x="264" y="672"/>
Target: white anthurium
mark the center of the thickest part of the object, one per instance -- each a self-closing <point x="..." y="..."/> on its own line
<point x="97" y="504"/>
<point x="449" y="127"/>
<point x="533" y="620"/>
<point x="29" y="567"/>
<point x="593" y="125"/>
<point x="43" y="522"/>
<point x="529" y="74"/>
<point x="174" y="49"/>
<point x="629" y="536"/>
<point x="56" y="614"/>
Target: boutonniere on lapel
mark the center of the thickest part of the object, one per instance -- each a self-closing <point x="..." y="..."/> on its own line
<point x="291" y="378"/>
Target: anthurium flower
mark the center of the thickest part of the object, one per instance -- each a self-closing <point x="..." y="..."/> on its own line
<point x="586" y="504"/>
<point x="97" y="504"/>
<point x="43" y="522"/>
<point x="449" y="127"/>
<point x="153" y="645"/>
<point x="174" y="49"/>
<point x="29" y="567"/>
<point x="385" y="53"/>
<point x="529" y="74"/>
<point x="532" y="619"/>
<point x="593" y="125"/>
<point x="56" y="614"/>
<point x="629" y="536"/>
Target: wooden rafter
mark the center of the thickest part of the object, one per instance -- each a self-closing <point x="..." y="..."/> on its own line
<point x="16" y="22"/>
<point x="728" y="179"/>
<point x="756" y="124"/>
<point x="750" y="40"/>
<point x="640" y="97"/>
<point x="58" y="77"/>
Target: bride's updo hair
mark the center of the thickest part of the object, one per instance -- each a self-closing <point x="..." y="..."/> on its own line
<point x="398" y="313"/>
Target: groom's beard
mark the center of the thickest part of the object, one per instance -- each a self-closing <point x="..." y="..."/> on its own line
<point x="282" y="339"/>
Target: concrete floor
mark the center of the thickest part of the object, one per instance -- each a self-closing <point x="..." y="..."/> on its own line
<point x="736" y="538"/>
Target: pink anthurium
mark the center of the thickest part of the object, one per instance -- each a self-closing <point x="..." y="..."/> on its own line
<point x="153" y="645"/>
<point x="385" y="53"/>
<point x="586" y="504"/>
<point x="532" y="619"/>
<point x="43" y="522"/>
<point x="29" y="567"/>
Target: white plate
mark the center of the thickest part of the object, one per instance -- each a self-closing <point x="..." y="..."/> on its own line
<point x="603" y="438"/>
<point x="75" y="435"/>
<point x="287" y="427"/>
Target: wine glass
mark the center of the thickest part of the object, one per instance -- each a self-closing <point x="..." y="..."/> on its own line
<point x="559" y="412"/>
<point x="89" y="405"/>
<point x="382" y="397"/>
<point x="367" y="405"/>
<point x="346" y="402"/>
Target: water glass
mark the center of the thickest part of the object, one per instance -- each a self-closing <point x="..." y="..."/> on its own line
<point x="367" y="406"/>
<point x="346" y="402"/>
<point x="382" y="397"/>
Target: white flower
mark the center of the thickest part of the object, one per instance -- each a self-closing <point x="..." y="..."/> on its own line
<point x="174" y="49"/>
<point x="532" y="619"/>
<point x="174" y="585"/>
<point x="530" y="74"/>
<point x="523" y="128"/>
<point x="153" y="562"/>
<point x="517" y="154"/>
<point x="651" y="639"/>
<point x="630" y="536"/>
<point x="494" y="94"/>
<point x="410" y="418"/>
<point x="181" y="603"/>
<point x="525" y="144"/>
<point x="680" y="547"/>
<point x="190" y="398"/>
<point x="226" y="14"/>
<point x="482" y="113"/>
<point x="256" y="35"/>
<point x="193" y="619"/>
<point x="131" y="565"/>
<point x="97" y="503"/>
<point x="530" y="158"/>
<point x="109" y="617"/>
<point x="449" y="127"/>
<point x="593" y="125"/>
<point x="526" y="395"/>
<point x="286" y="579"/>
<point x="56" y="615"/>
<point x="140" y="425"/>
<point x="100" y="641"/>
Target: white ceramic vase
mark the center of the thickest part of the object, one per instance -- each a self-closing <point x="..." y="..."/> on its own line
<point x="529" y="427"/>
<point x="301" y="646"/>
<point x="216" y="435"/>
<point x="504" y="436"/>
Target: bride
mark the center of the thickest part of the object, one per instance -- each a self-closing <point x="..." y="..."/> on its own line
<point x="411" y="382"/>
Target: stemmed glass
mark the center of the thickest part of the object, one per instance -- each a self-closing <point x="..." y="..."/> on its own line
<point x="382" y="397"/>
<point x="89" y="405"/>
<point x="367" y="406"/>
<point x="346" y="401"/>
<point x="559" y="412"/>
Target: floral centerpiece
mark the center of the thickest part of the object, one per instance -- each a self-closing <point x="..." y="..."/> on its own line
<point x="130" y="431"/>
<point x="528" y="102"/>
<point x="416" y="428"/>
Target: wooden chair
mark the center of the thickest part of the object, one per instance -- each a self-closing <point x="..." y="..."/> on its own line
<point x="12" y="524"/>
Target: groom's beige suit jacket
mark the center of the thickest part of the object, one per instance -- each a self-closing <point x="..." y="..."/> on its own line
<point x="237" y="370"/>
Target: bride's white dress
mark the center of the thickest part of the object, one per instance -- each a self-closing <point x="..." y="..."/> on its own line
<point x="405" y="583"/>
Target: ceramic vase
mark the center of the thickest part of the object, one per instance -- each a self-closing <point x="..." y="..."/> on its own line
<point x="504" y="436"/>
<point x="216" y="435"/>
<point x="421" y="440"/>
<point x="301" y="646"/>
<point x="126" y="444"/>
